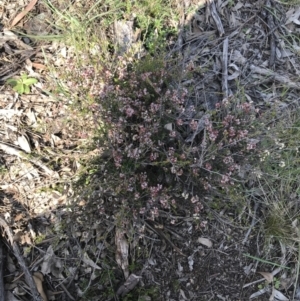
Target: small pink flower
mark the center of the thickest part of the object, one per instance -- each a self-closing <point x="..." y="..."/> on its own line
<point x="194" y="199"/>
<point x="225" y="179"/>
<point x="154" y="107"/>
<point x="198" y="207"/>
<point x="227" y="120"/>
<point x="153" y="156"/>
<point x="194" y="125"/>
<point x="206" y="185"/>
<point x="231" y="132"/>
<point x="242" y="134"/>
<point x="154" y="212"/>
<point x="208" y="166"/>
<point x="144" y="185"/>
<point x="203" y="224"/>
<point x="213" y="135"/>
<point x="246" y="107"/>
<point x="172" y="134"/>
<point x="129" y="111"/>
<point x="179" y="122"/>
<point x="228" y="160"/>
<point x="251" y="145"/>
<point x="179" y="172"/>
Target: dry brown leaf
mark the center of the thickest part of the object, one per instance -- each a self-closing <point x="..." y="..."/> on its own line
<point x="267" y="276"/>
<point x="18" y="217"/>
<point x="38" y="279"/>
<point x="26" y="239"/>
<point x="191" y="262"/>
<point x="129" y="284"/>
<point x="24" y="145"/>
<point x="10" y="296"/>
<point x="9" y="113"/>
<point x="88" y="261"/>
<point x="122" y="251"/>
<point x="48" y="257"/>
<point x="260" y="292"/>
<point x="19" y="291"/>
<point x="10" y="264"/>
<point x="51" y="264"/>
<point x="30" y="114"/>
<point x="38" y="66"/>
<point x="21" y="15"/>
<point x="182" y="294"/>
<point x="292" y="16"/>
<point x="205" y="242"/>
<point x="18" y="236"/>
<point x="279" y="296"/>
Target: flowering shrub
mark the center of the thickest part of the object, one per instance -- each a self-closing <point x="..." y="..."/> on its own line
<point x="147" y="157"/>
<point x="165" y="156"/>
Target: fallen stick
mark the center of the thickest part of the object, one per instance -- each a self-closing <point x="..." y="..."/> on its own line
<point x="28" y="277"/>
<point x="20" y="154"/>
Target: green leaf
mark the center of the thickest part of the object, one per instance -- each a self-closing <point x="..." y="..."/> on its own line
<point x="19" y="88"/>
<point x="30" y="81"/>
<point x="24" y="76"/>
<point x="13" y="82"/>
<point x="26" y="89"/>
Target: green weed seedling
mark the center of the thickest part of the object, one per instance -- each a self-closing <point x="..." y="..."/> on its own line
<point x="22" y="85"/>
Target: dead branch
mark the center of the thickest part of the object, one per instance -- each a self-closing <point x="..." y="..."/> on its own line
<point x="28" y="277"/>
<point x="2" y="292"/>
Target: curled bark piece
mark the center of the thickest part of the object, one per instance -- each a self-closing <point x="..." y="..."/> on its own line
<point x="280" y="78"/>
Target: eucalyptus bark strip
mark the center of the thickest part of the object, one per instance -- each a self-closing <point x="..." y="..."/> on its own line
<point x="225" y="68"/>
<point x="216" y="18"/>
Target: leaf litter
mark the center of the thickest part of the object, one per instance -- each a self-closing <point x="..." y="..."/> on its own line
<point x="215" y="270"/>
